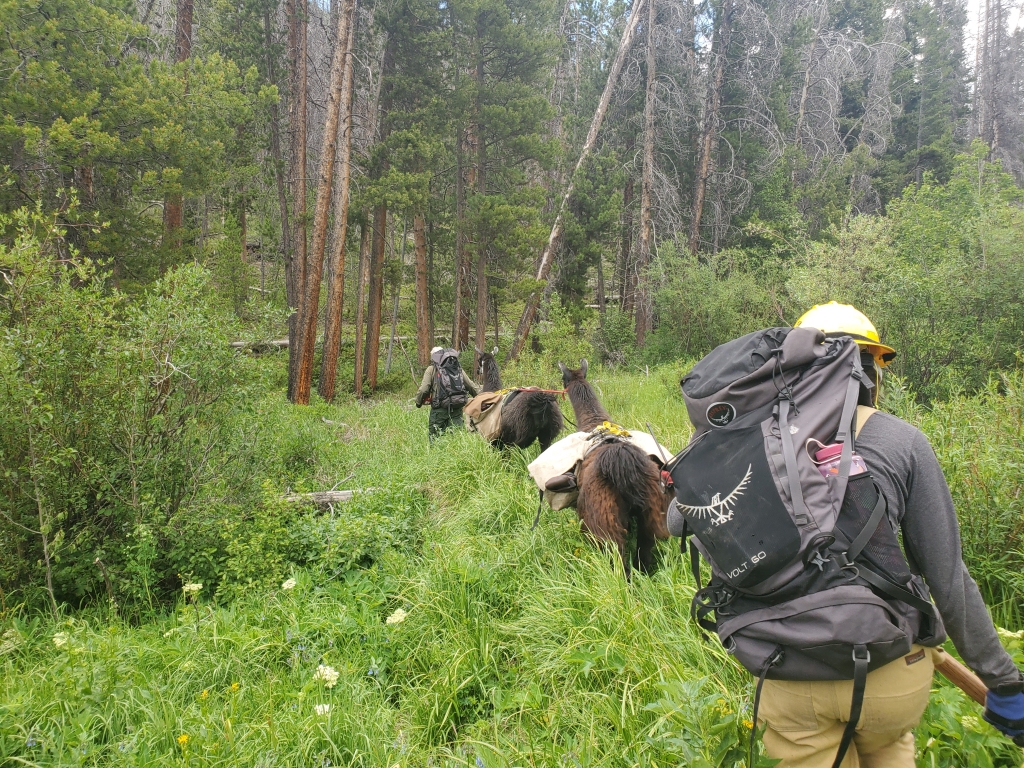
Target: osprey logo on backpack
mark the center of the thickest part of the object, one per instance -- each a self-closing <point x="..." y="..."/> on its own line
<point x="720" y="414"/>
<point x="719" y="510"/>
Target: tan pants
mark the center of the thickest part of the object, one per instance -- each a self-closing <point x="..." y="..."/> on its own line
<point x="806" y="719"/>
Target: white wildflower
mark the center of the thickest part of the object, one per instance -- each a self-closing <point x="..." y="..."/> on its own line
<point x="9" y="641"/>
<point x="321" y="709"/>
<point x="192" y="588"/>
<point x="397" y="617"/>
<point x="329" y="675"/>
<point x="289" y="584"/>
<point x="60" y="639"/>
<point x="1008" y="635"/>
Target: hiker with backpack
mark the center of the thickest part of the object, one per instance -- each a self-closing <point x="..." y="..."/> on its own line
<point x="793" y="487"/>
<point x="445" y="386"/>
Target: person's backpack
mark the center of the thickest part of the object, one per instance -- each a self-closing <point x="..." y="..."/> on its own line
<point x="449" y="388"/>
<point x="808" y="578"/>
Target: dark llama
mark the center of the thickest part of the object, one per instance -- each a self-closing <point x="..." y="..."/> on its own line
<point x="618" y="482"/>
<point x="527" y="415"/>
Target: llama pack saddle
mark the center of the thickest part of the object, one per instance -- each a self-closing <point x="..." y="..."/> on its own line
<point x="566" y="455"/>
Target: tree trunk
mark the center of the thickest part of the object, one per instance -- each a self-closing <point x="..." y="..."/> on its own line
<point x="469" y="168"/>
<point x="720" y="45"/>
<point x="548" y="254"/>
<point x="627" y="271"/>
<point x="375" y="296"/>
<point x="275" y="146"/>
<point x="481" y="189"/>
<point x="174" y="209"/>
<point x="336" y="272"/>
<point x="361" y="280"/>
<point x="325" y="186"/>
<point x="643" y="294"/>
<point x="242" y="224"/>
<point x="295" y="266"/>
<point x="398" y="292"/>
<point x="805" y="91"/>
<point x="460" y="237"/>
<point x="430" y="290"/>
<point x="423" y="340"/>
<point x="995" y="63"/>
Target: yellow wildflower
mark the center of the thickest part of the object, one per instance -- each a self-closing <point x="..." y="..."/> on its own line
<point x="183" y="740"/>
<point x="205" y="694"/>
<point x="748" y="725"/>
<point x="235" y="687"/>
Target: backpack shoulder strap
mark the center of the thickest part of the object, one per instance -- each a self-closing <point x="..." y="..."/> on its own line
<point x="864" y="412"/>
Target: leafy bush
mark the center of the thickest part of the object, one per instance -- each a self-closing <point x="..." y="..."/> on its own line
<point x="941" y="276"/>
<point x="116" y="413"/>
<point x="707" y="300"/>
<point x="979" y="441"/>
<point x="359" y="533"/>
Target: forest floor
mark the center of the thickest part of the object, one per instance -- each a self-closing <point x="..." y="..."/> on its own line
<point x="471" y="640"/>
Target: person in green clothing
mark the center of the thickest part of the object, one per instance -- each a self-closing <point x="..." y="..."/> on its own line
<point x="445" y="386"/>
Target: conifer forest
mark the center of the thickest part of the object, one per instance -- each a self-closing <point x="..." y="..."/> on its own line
<point x="231" y="234"/>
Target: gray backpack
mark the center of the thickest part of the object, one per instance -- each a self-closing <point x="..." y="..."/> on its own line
<point x="808" y="578"/>
<point x="449" y="389"/>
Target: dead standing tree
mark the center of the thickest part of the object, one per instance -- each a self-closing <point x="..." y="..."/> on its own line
<point x="295" y="262"/>
<point x="554" y="239"/>
<point x="174" y="209"/>
<point x="879" y="111"/>
<point x="721" y="41"/>
<point x="644" y="314"/>
<point x="998" y="97"/>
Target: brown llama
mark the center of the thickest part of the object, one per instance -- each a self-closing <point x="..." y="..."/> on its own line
<point x="618" y="482"/>
<point x="527" y="416"/>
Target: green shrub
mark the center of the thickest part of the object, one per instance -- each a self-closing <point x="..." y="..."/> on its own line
<point x="708" y="300"/>
<point x="979" y="440"/>
<point x="360" y="532"/>
<point x="116" y="414"/>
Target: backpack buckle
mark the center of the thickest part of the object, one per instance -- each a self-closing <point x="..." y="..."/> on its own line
<point x="819" y="561"/>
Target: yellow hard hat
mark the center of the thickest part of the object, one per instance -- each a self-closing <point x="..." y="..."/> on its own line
<point x="835" y="318"/>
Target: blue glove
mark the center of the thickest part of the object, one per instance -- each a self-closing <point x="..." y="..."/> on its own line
<point x="1006" y="713"/>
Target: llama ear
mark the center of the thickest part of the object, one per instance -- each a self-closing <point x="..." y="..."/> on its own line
<point x="563" y="369"/>
<point x="583" y="367"/>
<point x="494" y="352"/>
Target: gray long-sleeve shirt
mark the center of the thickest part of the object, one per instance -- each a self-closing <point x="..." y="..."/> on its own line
<point x="904" y="465"/>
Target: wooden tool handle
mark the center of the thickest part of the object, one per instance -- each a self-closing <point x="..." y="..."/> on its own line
<point x="960" y="676"/>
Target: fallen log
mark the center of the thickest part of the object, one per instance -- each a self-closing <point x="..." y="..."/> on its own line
<point x="260" y="347"/>
<point x="327" y="497"/>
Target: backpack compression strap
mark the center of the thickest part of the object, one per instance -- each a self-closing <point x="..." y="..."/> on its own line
<point x="846" y="428"/>
<point x="770" y="662"/>
<point x="861" y="659"/>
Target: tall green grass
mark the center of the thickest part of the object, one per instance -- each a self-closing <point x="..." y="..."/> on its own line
<point x="519" y="647"/>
